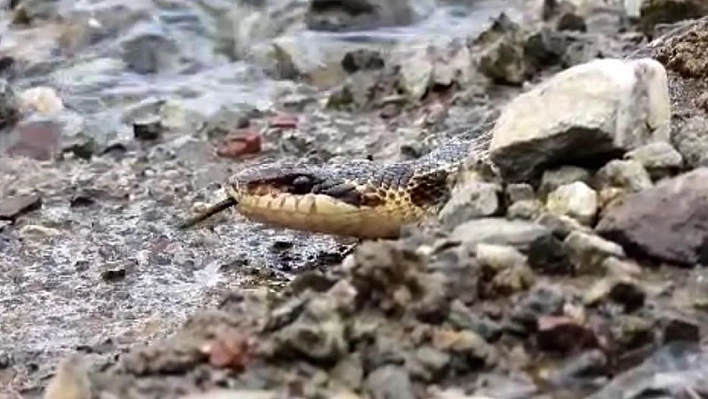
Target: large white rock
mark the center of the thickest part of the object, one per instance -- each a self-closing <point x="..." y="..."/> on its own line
<point x="582" y="114"/>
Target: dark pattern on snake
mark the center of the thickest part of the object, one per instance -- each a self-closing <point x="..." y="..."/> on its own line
<point x="368" y="183"/>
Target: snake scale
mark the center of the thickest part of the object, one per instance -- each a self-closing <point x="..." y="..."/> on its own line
<point x="359" y="198"/>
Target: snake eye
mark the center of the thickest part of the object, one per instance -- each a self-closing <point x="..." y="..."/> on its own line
<point x="301" y="185"/>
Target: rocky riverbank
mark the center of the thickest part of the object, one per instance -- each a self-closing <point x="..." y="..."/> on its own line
<point x="564" y="265"/>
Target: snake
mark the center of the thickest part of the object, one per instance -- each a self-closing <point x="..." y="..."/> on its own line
<point x="357" y="198"/>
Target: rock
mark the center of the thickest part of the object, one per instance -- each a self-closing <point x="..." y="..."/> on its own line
<point x="148" y="129"/>
<point x="499" y="257"/>
<point x="416" y="71"/>
<point x="628" y="175"/>
<point x="660" y="159"/>
<point x="508" y="268"/>
<point x="563" y="334"/>
<point x="317" y="334"/>
<point x="677" y="234"/>
<point x="524" y="205"/>
<point x="147" y="49"/>
<point x="36" y="137"/>
<point x="676" y="327"/>
<point x="526" y="210"/>
<point x="9" y="105"/>
<point x="389" y="382"/>
<point x="500" y="53"/>
<point x="362" y="60"/>
<point x="519" y="192"/>
<point x="113" y="272"/>
<point x="70" y="381"/>
<point x="632" y="331"/>
<point x="624" y="291"/>
<point x="588" y="251"/>
<point x="349" y="371"/>
<point x="349" y="15"/>
<point x="13" y="207"/>
<point x="653" y="12"/>
<point x="554" y="178"/>
<point x="471" y="201"/>
<point x="564" y="121"/>
<point x="510" y="281"/>
<point x="542" y="301"/>
<point x="621" y="267"/>
<point x="427" y="363"/>
<point x="462" y="317"/>
<point x="560" y="225"/>
<point x="631" y="10"/>
<point x="469" y="349"/>
<point x="547" y="255"/>
<point x="517" y="233"/>
<point x="579" y="369"/>
<point x="567" y="15"/>
<point x="575" y="200"/>
<point x="38" y="231"/>
<point x="44" y="100"/>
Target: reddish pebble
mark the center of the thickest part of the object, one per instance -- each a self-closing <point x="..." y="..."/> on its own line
<point x="230" y="349"/>
<point x="239" y="145"/>
<point x="36" y="140"/>
<point x="284" y="122"/>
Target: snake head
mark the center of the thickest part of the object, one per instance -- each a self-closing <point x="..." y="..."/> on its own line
<point x="296" y="180"/>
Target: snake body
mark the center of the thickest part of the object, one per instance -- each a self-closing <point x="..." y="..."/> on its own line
<point x="361" y="198"/>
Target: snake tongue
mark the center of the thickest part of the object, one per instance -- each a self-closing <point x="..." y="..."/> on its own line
<point x="209" y="212"/>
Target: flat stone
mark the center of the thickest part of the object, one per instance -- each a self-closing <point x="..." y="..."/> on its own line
<point x="517" y="233"/>
<point x="583" y="113"/>
<point x="471" y="201"/>
<point x="668" y="222"/>
<point x="14" y="207"/>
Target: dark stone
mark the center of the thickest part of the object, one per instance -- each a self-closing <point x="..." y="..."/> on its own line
<point x="677" y="328"/>
<point x="113" y="274"/>
<point x="362" y="60"/>
<point x="678" y="234"/>
<point x="9" y="105"/>
<point x="546" y="255"/>
<point x="563" y="334"/>
<point x="627" y="293"/>
<point x="148" y="130"/>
